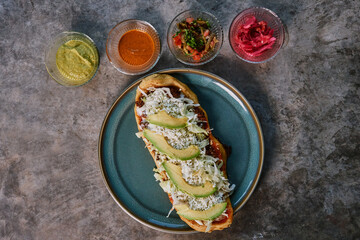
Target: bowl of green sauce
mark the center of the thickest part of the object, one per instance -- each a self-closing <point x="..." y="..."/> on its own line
<point x="72" y="59"/>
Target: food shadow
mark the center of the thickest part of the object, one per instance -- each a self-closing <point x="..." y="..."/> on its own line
<point x="95" y="30"/>
<point x="237" y="74"/>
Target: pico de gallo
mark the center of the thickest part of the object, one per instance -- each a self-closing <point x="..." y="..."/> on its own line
<point x="195" y="38"/>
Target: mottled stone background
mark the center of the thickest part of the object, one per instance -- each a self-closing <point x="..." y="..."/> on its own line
<point x="307" y="100"/>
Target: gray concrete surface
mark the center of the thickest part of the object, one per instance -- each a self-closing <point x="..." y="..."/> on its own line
<point x="307" y="100"/>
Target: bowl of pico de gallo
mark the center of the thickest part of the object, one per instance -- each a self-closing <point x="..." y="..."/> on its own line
<point x="195" y="37"/>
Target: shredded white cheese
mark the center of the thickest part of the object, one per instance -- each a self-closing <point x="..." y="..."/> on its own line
<point x="195" y="171"/>
<point x="208" y="225"/>
<point x="199" y="222"/>
<point x="172" y="209"/>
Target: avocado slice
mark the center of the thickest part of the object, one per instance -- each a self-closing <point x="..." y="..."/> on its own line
<point x="163" y="146"/>
<point x="209" y="214"/>
<point x="175" y="175"/>
<point x="163" y="119"/>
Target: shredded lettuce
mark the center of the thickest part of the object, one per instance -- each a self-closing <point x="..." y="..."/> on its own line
<point x="208" y="225"/>
<point x="172" y="209"/>
<point x="199" y="222"/>
<point x="139" y="134"/>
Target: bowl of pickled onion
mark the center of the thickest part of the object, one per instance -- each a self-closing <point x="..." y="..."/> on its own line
<point x="256" y="35"/>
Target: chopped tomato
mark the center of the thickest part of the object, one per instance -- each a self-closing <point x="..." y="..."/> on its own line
<point x="177" y="40"/>
<point x="196" y="57"/>
<point x="195" y="52"/>
<point x="190" y="42"/>
<point x="189" y="20"/>
<point x="206" y="33"/>
<point x="191" y="50"/>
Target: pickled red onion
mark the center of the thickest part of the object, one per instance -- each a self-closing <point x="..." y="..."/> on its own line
<point x="255" y="37"/>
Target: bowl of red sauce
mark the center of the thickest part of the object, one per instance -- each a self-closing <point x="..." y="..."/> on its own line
<point x="256" y="35"/>
<point x="133" y="47"/>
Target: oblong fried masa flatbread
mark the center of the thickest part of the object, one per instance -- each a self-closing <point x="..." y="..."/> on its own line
<point x="164" y="80"/>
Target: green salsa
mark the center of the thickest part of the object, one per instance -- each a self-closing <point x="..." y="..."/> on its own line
<point x="77" y="60"/>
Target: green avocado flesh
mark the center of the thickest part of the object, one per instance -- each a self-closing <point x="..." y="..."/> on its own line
<point x="209" y="214"/>
<point x="163" y="146"/>
<point x="175" y="175"/>
<point x="165" y="120"/>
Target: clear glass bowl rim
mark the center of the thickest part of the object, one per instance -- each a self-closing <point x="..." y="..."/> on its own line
<point x="272" y="13"/>
<point x="52" y="43"/>
<point x="122" y="70"/>
<point x="199" y="63"/>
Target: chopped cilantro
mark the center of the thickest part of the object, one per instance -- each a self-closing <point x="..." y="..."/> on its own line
<point x="201" y="43"/>
<point x="192" y="35"/>
<point x="177" y="33"/>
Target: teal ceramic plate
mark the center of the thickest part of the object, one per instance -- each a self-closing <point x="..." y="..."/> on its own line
<point x="127" y="166"/>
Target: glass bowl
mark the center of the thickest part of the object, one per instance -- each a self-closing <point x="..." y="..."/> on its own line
<point x="215" y="27"/>
<point x="261" y="14"/>
<point x="112" y="46"/>
<point x="50" y="58"/>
